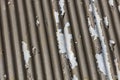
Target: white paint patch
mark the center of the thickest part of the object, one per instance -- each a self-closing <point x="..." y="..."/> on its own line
<point x="93" y="0"/>
<point x="37" y="21"/>
<point x="3" y="77"/>
<point x="56" y="17"/>
<point x="26" y="52"/>
<point x="9" y="2"/>
<point x="68" y="38"/>
<point x="111" y="3"/>
<point x="112" y="42"/>
<point x="61" y="41"/>
<point x="93" y="31"/>
<point x="90" y="8"/>
<point x="61" y="3"/>
<point x="119" y="8"/>
<point x="103" y="44"/>
<point x="106" y="22"/>
<point x="117" y="68"/>
<point x="100" y="62"/>
<point x="74" y="77"/>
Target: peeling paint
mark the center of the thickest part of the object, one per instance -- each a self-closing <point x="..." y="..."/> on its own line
<point x="61" y="3"/>
<point x="37" y="21"/>
<point x="100" y="62"/>
<point x="26" y="52"/>
<point x="92" y="30"/>
<point x="3" y="77"/>
<point x="103" y="44"/>
<point x="119" y="8"/>
<point x="117" y="68"/>
<point x="56" y="14"/>
<point x="111" y="3"/>
<point x="93" y="0"/>
<point x="9" y="2"/>
<point x="74" y="77"/>
<point x="68" y="38"/>
<point x="90" y="8"/>
<point x="106" y="22"/>
<point x="111" y="44"/>
<point x="61" y="41"/>
<point x="34" y="50"/>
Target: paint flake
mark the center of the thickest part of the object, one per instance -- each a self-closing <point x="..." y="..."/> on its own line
<point x="68" y="38"/>
<point x="119" y="8"/>
<point x="56" y="17"/>
<point x="111" y="43"/>
<point x="61" y="41"/>
<point x="3" y="77"/>
<point x="90" y="8"/>
<point x="74" y="77"/>
<point x="93" y="31"/>
<point x="37" y="21"/>
<point x="106" y="22"/>
<point x="9" y="2"/>
<point x="61" y="3"/>
<point x="100" y="62"/>
<point x="111" y="3"/>
<point x="26" y="52"/>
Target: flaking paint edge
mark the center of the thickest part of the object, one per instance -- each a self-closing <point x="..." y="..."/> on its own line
<point x="101" y="37"/>
<point x="68" y="38"/>
<point x="26" y="52"/>
<point x="61" y="3"/>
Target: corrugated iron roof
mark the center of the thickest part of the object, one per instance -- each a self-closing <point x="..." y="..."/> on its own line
<point x="59" y="39"/>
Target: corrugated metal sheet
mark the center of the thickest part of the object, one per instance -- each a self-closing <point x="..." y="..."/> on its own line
<point x="59" y="39"/>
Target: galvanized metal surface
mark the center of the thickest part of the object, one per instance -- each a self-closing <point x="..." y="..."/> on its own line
<point x="59" y="39"/>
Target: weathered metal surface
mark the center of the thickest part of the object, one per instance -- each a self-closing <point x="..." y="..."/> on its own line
<point x="59" y="39"/>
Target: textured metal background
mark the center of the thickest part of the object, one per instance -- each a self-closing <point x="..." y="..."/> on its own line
<point x="59" y="39"/>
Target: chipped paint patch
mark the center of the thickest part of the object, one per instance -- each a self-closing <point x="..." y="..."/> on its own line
<point x="103" y="44"/>
<point x="93" y="31"/>
<point x="10" y="2"/>
<point x="56" y="14"/>
<point x="34" y="49"/>
<point x="3" y="77"/>
<point x="74" y="77"/>
<point x="61" y="3"/>
<point x="37" y="21"/>
<point x="106" y="22"/>
<point x="119" y="8"/>
<point x="26" y="52"/>
<point x="117" y="68"/>
<point x="90" y="8"/>
<point x="111" y="3"/>
<point x="93" y="0"/>
<point x="61" y="41"/>
<point x="68" y="38"/>
<point x="100" y="61"/>
<point x="111" y="44"/>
